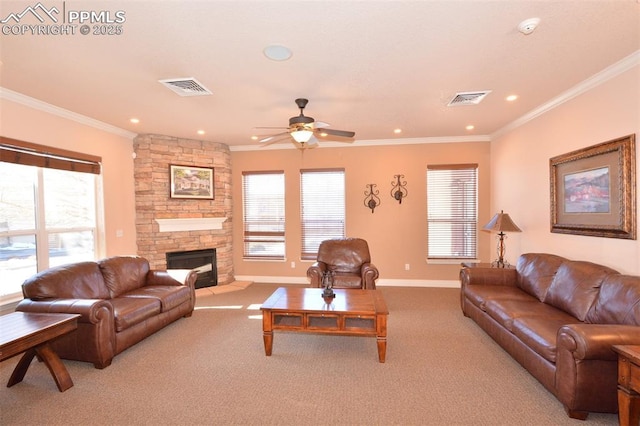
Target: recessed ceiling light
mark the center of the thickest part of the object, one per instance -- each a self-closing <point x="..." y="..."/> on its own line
<point x="470" y="127"/>
<point x="134" y="120"/>
<point x="397" y="131"/>
<point x="511" y="98"/>
<point x="254" y="138"/>
<point x="276" y="52"/>
<point x="201" y="132"/>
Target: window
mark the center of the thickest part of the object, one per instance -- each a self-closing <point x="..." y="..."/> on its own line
<point x="452" y="211"/>
<point x="47" y="211"/>
<point x="322" y="208"/>
<point x="263" y="202"/>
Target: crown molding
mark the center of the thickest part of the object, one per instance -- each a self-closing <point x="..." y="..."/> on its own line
<point x="370" y="142"/>
<point x="603" y="76"/>
<point x="36" y="104"/>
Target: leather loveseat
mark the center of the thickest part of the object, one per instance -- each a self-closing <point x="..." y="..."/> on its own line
<point x="559" y="319"/>
<point x="120" y="300"/>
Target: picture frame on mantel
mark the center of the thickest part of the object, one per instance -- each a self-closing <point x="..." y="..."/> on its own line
<point x="593" y="190"/>
<point x="191" y="182"/>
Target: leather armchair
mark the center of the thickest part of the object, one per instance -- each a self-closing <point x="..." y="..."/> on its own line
<point x="349" y="261"/>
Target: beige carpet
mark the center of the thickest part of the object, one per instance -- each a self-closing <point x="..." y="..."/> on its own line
<point x="441" y="369"/>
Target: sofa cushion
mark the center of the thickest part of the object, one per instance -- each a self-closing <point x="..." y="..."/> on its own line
<point x="480" y="294"/>
<point x="505" y="311"/>
<point x="536" y="272"/>
<point x="129" y="311"/>
<point x="169" y="296"/>
<point x="540" y="334"/>
<point x="75" y="281"/>
<point x="618" y="301"/>
<point x="124" y="273"/>
<point x="576" y="286"/>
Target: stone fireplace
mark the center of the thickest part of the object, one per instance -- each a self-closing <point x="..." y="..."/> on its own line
<point x="165" y="224"/>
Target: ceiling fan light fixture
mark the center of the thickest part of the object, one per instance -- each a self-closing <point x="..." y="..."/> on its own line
<point x="302" y="136"/>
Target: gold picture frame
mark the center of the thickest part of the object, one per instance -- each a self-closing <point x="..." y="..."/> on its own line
<point x="191" y="182"/>
<point x="593" y="190"/>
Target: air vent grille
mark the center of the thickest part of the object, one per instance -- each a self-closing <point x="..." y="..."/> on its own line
<point x="468" y="98"/>
<point x="186" y="86"/>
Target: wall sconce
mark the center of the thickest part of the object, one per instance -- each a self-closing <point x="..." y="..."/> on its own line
<point x="501" y="223"/>
<point x="399" y="188"/>
<point x="371" y="197"/>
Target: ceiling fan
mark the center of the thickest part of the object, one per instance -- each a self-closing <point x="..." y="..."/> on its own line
<point x="304" y="129"/>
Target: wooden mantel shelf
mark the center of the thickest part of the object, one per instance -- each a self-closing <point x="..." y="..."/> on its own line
<point x="190" y="224"/>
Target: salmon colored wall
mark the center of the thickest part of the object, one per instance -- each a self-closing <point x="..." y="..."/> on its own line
<point x="396" y="233"/>
<point x="520" y="170"/>
<point x="19" y="121"/>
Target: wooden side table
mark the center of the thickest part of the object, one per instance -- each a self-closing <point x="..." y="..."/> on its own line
<point x="31" y="333"/>
<point x="628" y="384"/>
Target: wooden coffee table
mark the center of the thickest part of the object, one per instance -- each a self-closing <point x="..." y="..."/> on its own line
<point x="31" y="333"/>
<point x="352" y="312"/>
<point x="628" y="384"/>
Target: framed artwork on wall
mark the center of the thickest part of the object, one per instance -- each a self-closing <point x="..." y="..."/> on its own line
<point x="191" y="182"/>
<point x="593" y="190"/>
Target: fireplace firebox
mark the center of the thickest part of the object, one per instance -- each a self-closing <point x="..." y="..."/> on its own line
<point x="202" y="261"/>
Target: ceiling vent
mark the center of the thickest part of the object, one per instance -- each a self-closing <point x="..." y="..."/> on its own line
<point x="186" y="86"/>
<point x="468" y="98"/>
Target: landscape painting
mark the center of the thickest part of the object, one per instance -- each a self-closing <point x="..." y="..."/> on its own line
<point x="593" y="190"/>
<point x="587" y="191"/>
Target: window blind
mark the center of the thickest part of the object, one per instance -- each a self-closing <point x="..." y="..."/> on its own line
<point x="322" y="208"/>
<point x="263" y="215"/>
<point x="30" y="154"/>
<point x="452" y="213"/>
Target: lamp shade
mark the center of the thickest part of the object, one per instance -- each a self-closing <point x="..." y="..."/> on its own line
<point x="501" y="222"/>
<point x="302" y="136"/>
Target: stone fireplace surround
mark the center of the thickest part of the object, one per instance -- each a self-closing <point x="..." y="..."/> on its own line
<point x="164" y="224"/>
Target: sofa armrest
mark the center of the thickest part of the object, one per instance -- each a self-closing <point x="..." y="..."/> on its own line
<point x="92" y="311"/>
<point x="488" y="276"/>
<point x="315" y="272"/>
<point x="595" y="341"/>
<point x="369" y="276"/>
<point x="172" y="278"/>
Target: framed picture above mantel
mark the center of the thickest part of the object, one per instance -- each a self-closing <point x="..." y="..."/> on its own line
<point x="191" y="182"/>
<point x="593" y="190"/>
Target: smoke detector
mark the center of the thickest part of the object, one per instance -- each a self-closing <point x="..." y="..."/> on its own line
<point x="528" y="26"/>
<point x="186" y="86"/>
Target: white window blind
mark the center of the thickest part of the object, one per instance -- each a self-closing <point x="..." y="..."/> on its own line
<point x="322" y="208"/>
<point x="452" y="221"/>
<point x="264" y="219"/>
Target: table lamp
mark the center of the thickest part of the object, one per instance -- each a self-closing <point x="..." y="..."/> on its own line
<point x="501" y="223"/>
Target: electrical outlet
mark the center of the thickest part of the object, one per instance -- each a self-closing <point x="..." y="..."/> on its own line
<point x="407" y="267"/>
<point x="293" y="265"/>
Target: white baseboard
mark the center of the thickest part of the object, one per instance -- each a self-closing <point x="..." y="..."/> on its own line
<point x="387" y="282"/>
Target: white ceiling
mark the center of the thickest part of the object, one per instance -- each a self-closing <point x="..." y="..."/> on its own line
<point x="366" y="66"/>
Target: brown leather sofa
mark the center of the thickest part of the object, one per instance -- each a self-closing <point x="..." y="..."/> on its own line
<point x="120" y="299"/>
<point x="349" y="261"/>
<point x="559" y="319"/>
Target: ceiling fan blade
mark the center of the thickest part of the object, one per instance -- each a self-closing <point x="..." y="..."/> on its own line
<point x="320" y="125"/>
<point x="341" y="133"/>
<point x="312" y="140"/>
<point x="276" y="136"/>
